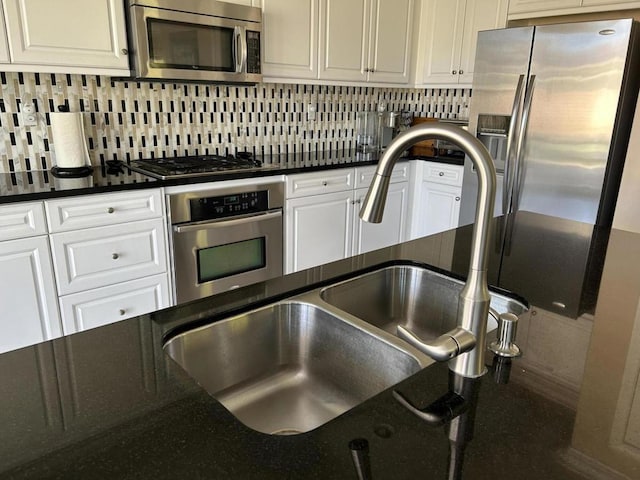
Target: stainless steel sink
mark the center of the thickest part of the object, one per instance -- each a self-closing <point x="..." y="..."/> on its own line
<point x="292" y="366"/>
<point x="421" y="300"/>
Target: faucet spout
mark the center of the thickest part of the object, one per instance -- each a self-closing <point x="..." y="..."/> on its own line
<point x="473" y="304"/>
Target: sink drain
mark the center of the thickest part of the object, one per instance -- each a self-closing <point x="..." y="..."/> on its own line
<point x="287" y="431"/>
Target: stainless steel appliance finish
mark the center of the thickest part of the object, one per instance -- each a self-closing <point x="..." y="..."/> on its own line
<point x="226" y="238"/>
<point x="294" y="365"/>
<point x="554" y="105"/>
<point x="464" y="345"/>
<point x="290" y="367"/>
<point x="195" y="40"/>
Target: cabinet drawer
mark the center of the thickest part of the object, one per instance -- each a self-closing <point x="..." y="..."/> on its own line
<point x="22" y="220"/>
<point x="105" y="209"/>
<point x="101" y="306"/>
<point x="442" y="173"/>
<point x="304" y="184"/>
<point x="106" y="255"/>
<point x="364" y="175"/>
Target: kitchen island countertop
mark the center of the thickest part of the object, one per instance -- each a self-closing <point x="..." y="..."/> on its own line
<point x="108" y="403"/>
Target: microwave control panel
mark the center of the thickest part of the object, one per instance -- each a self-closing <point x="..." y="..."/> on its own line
<point x="253" y="52"/>
<point x="211" y="208"/>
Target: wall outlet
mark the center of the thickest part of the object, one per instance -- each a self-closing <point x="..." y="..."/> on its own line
<point x="29" y="117"/>
<point x="311" y="112"/>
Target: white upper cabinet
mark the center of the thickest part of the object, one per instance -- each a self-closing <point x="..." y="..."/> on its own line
<point x="4" y="45"/>
<point x="446" y="34"/>
<point x="365" y="40"/>
<point x="519" y="9"/>
<point x="290" y="39"/>
<point x="55" y="36"/>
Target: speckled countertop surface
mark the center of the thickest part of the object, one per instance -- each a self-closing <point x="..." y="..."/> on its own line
<point x="108" y="403"/>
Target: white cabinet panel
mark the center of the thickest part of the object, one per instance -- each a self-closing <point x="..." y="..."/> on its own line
<point x="443" y="173"/>
<point x="319" y="229"/>
<point x="75" y="213"/>
<point x="439" y="209"/>
<point x="306" y="184"/>
<point x="103" y="256"/>
<point x="27" y="294"/>
<point x="364" y="175"/>
<point x="371" y="236"/>
<point x="390" y="50"/>
<point x="20" y="220"/>
<point x="101" y="306"/>
<point x="54" y="33"/>
<point x="290" y="39"/>
<point x="523" y="6"/>
<point x="4" y="44"/>
<point x="344" y="39"/>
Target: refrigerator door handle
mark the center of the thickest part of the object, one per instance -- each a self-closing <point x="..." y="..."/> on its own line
<point x="524" y="123"/>
<point x="507" y="180"/>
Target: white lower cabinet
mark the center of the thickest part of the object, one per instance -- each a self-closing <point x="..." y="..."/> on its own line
<point x="324" y="227"/>
<point x="101" y="306"/>
<point x="28" y="299"/>
<point x="436" y="198"/>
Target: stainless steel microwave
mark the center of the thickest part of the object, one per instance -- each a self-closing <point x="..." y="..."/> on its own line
<point x="195" y="40"/>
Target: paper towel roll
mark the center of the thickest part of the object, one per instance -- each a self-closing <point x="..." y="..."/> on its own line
<point x="69" y="141"/>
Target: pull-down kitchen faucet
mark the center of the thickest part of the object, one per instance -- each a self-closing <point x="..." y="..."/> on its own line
<point x="464" y="346"/>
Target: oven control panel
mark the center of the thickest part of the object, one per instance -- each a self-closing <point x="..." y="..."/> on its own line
<point x="210" y="208"/>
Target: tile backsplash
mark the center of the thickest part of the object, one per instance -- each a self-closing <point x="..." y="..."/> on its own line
<point x="130" y="120"/>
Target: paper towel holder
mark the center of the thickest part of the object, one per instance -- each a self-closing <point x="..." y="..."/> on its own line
<point x="70" y="172"/>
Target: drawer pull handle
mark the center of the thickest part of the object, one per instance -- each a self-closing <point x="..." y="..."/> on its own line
<point x="457" y="199"/>
<point x="111" y="210"/>
<point x="115" y="256"/>
<point x="441" y="174"/>
<point x="122" y="311"/>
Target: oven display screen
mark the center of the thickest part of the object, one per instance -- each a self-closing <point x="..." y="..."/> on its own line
<point x="231" y="259"/>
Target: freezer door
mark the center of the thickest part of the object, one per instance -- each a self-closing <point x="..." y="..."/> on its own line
<point x="578" y="70"/>
<point x="502" y="63"/>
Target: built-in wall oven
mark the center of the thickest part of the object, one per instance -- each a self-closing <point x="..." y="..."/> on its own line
<point x="225" y="238"/>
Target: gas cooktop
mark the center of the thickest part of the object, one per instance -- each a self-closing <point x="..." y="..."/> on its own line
<point x="197" y="166"/>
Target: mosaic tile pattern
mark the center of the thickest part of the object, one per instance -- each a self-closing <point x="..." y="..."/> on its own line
<point x="129" y="120"/>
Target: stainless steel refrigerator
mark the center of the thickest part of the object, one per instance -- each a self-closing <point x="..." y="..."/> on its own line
<point x="554" y="105"/>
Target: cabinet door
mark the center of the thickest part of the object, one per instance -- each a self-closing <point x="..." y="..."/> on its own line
<point x="101" y="306"/>
<point x="438" y="208"/>
<point x="479" y="15"/>
<point x="52" y="33"/>
<point x="389" y="52"/>
<point x="371" y="236"/>
<point x="525" y="6"/>
<point x="442" y="21"/>
<point x="4" y="45"/>
<point x="344" y="39"/>
<point x="319" y="229"/>
<point x="290" y="33"/>
<point x="28" y="300"/>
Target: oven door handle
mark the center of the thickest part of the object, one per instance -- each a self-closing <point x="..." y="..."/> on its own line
<point x="260" y="217"/>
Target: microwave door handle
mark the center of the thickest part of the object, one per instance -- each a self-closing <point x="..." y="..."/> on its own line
<point x="225" y="223"/>
<point x="239" y="49"/>
<point x="522" y="137"/>
<point x="507" y="179"/>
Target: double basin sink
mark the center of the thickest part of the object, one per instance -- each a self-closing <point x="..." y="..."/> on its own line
<point x="292" y="366"/>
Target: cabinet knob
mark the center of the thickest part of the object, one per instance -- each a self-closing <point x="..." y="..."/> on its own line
<point x="454" y="72"/>
<point x="461" y="72"/>
<point x="441" y="174"/>
<point x="111" y="210"/>
<point x="457" y="199"/>
<point x="324" y="184"/>
<point x="122" y="311"/>
<point x="115" y="256"/>
<point x="125" y="51"/>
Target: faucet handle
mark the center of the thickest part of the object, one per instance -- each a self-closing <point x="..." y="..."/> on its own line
<point x="439" y="412"/>
<point x="443" y="348"/>
<point x="505" y="345"/>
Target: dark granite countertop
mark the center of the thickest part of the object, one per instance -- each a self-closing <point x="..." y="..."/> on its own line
<point x="40" y="185"/>
<point x="108" y="403"/>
